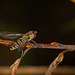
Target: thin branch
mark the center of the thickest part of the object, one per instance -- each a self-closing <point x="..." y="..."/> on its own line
<point x="23" y="54"/>
<point x="51" y="46"/>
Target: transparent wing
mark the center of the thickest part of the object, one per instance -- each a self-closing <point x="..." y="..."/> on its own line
<point x="21" y="46"/>
<point x="10" y="35"/>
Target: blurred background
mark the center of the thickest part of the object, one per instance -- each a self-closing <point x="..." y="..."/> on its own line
<point x="54" y="20"/>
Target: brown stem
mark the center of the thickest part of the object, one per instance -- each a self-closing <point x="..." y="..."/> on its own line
<point x="58" y="46"/>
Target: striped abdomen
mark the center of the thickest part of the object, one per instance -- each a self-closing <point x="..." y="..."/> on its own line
<point x="17" y="44"/>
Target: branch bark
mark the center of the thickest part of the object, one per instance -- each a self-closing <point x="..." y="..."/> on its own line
<point x="51" y="46"/>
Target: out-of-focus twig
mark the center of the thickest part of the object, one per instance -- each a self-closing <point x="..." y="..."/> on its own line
<point x="72" y="1"/>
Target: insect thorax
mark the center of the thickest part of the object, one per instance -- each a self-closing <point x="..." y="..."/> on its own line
<point x="28" y="36"/>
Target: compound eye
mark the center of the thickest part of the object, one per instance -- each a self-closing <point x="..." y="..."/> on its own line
<point x="28" y="37"/>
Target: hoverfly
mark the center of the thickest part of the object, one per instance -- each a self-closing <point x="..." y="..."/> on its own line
<point x="22" y="41"/>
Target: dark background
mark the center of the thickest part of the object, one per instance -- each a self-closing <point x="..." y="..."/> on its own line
<point x="54" y="20"/>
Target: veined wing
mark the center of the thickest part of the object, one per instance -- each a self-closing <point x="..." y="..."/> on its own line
<point x="21" y="46"/>
<point x="10" y="35"/>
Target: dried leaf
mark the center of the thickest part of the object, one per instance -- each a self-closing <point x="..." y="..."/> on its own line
<point x="15" y="66"/>
<point x="55" y="63"/>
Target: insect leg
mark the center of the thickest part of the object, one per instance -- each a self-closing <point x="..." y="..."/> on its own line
<point x="22" y="53"/>
<point x="33" y="42"/>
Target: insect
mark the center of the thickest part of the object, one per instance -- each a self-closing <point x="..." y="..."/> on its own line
<point x="22" y="41"/>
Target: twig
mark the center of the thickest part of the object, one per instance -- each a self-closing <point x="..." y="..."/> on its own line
<point x="25" y="51"/>
<point x="51" y="46"/>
